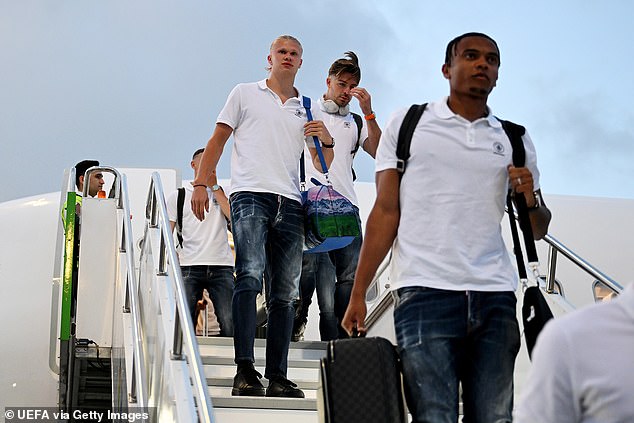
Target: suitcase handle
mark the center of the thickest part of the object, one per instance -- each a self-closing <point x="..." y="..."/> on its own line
<point x="356" y="333"/>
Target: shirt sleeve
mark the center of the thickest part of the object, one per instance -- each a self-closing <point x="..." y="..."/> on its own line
<point x="363" y="137"/>
<point x="549" y="393"/>
<point x="386" y="153"/>
<point x="231" y="113"/>
<point x="171" y="206"/>
<point x="531" y="159"/>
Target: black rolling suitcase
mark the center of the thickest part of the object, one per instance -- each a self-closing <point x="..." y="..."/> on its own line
<point x="360" y="381"/>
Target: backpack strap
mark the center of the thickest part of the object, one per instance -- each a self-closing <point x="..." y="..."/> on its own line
<point x="180" y="201"/>
<point x="405" y="134"/>
<point x="359" y="122"/>
<point x="324" y="166"/>
<point x="517" y="248"/>
<point x="515" y="133"/>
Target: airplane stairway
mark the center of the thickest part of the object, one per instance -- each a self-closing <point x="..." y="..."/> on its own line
<point x="219" y="368"/>
<point x="159" y="365"/>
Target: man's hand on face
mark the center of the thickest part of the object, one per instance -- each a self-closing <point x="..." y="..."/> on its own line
<point x="364" y="99"/>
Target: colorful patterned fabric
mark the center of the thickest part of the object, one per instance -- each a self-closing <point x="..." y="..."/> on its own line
<point x="332" y="221"/>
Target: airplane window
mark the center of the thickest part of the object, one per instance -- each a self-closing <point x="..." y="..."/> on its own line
<point x="602" y="292"/>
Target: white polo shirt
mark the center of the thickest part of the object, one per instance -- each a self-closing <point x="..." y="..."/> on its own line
<point x="582" y="367"/>
<point x="452" y="199"/>
<point x="206" y="242"/>
<point x="268" y="139"/>
<point x="344" y="130"/>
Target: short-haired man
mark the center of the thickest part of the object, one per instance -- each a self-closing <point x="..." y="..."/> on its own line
<point x="270" y="129"/>
<point x="332" y="273"/>
<point x="204" y="254"/>
<point x="455" y="307"/>
<point x="94" y="186"/>
<point x="96" y="179"/>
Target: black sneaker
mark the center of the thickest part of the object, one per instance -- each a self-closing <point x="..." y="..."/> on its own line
<point x="282" y="387"/>
<point x="247" y="383"/>
<point x="298" y="332"/>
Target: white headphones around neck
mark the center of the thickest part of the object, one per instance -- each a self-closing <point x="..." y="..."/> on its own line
<point x="331" y="107"/>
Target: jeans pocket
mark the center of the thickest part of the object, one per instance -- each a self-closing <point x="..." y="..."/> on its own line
<point x="242" y="205"/>
<point x="185" y="271"/>
<point x="405" y="294"/>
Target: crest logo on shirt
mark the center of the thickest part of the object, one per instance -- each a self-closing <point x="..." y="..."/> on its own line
<point x="299" y="112"/>
<point x="346" y="124"/>
<point x="498" y="148"/>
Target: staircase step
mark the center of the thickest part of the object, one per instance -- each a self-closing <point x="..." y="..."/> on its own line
<point x="228" y="381"/>
<point x="263" y="403"/>
<point x="222" y="346"/>
<point x="225" y="340"/>
<point x="217" y="356"/>
<point x="259" y="362"/>
<point x="294" y="373"/>
<point x="234" y="415"/>
<point x="225" y="391"/>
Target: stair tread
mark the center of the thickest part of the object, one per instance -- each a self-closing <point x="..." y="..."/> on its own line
<point x="228" y="341"/>
<point x="259" y="362"/>
<point x="303" y="363"/>
<point x="228" y="381"/>
<point x="264" y="403"/>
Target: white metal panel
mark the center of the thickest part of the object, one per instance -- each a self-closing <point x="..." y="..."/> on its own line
<point x="27" y="254"/>
<point x="98" y="253"/>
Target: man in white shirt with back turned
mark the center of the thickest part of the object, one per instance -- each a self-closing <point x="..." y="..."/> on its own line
<point x="204" y="253"/>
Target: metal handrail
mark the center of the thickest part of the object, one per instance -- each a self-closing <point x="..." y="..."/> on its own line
<point x="385" y="299"/>
<point x="138" y="391"/>
<point x="91" y="170"/>
<point x="554" y="247"/>
<point x="156" y="213"/>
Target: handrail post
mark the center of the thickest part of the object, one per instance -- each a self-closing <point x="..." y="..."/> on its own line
<point x="122" y="247"/>
<point x="126" y="300"/>
<point x="153" y="211"/>
<point x="132" y="397"/>
<point x="177" y="347"/>
<point x="552" y="269"/>
<point x="162" y="270"/>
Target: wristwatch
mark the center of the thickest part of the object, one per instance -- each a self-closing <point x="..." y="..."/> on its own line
<point x="538" y="200"/>
<point x="329" y="145"/>
<point x="215" y="187"/>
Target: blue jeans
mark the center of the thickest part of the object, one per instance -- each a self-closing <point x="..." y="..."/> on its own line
<point x="447" y="337"/>
<point x="218" y="281"/>
<point x="332" y="274"/>
<point x="268" y="233"/>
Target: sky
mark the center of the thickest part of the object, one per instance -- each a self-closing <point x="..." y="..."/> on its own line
<point x="140" y="83"/>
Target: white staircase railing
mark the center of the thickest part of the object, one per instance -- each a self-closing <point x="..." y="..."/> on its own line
<point x="177" y="387"/>
<point x="127" y="293"/>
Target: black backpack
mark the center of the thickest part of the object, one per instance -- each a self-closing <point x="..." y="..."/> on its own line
<point x="180" y="201"/>
<point x="359" y="123"/>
